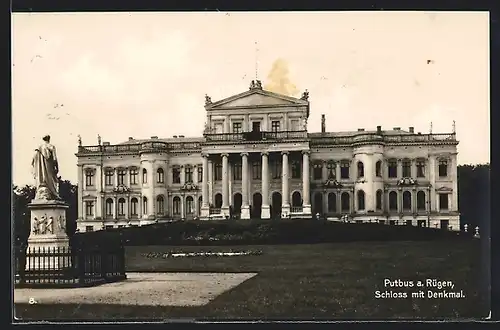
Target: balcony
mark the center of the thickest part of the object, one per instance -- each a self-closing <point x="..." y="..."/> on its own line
<point x="256" y="136"/>
<point x="330" y="139"/>
<point x="151" y="146"/>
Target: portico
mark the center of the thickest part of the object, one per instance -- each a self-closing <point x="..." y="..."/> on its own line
<point x="231" y="174"/>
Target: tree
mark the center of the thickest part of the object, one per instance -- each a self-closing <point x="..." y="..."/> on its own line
<point x="474" y="194"/>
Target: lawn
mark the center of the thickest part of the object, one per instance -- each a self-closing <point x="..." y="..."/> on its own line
<point x="318" y="281"/>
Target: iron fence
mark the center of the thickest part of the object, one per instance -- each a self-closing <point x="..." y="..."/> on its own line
<point x="69" y="266"/>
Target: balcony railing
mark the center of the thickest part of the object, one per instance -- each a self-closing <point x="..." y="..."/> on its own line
<point x="372" y="137"/>
<point x="256" y="136"/>
<point x="135" y="148"/>
<point x="296" y="209"/>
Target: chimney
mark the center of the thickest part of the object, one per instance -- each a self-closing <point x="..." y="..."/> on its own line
<point x="106" y="143"/>
<point x="181" y="136"/>
<point x="412" y="129"/>
<point x="175" y="136"/>
<point x="379" y="129"/>
<point x="361" y="129"/>
<point x="397" y="128"/>
<point x="154" y="137"/>
<point x="130" y="138"/>
<point x="323" y="125"/>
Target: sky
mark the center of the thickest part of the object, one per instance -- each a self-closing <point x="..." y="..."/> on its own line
<point x="121" y="75"/>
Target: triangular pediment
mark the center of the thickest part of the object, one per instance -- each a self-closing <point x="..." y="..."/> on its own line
<point x="256" y="98"/>
<point x="444" y="189"/>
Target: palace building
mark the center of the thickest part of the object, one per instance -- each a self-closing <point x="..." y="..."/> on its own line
<point x="256" y="159"/>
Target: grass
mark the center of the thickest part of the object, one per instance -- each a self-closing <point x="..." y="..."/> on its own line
<point x="318" y="281"/>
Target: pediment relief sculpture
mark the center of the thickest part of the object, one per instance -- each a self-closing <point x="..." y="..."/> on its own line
<point x="121" y="189"/>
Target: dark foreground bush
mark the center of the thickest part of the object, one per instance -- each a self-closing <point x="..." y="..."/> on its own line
<point x="263" y="232"/>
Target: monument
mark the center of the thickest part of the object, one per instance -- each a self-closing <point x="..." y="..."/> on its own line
<point x="48" y="210"/>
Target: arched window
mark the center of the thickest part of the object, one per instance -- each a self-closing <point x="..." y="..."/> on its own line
<point x="378" y="169"/>
<point x="160" y="205"/>
<point x="176" y="205"/>
<point x="189" y="205"/>
<point x="296" y="199"/>
<point x="345" y="200"/>
<point x="144" y="205"/>
<point x="361" y="170"/>
<point x="361" y="200"/>
<point x="133" y="206"/>
<point x="144" y="176"/>
<point x="218" y="200"/>
<point x="134" y="174"/>
<point x="406" y="200"/>
<point x="109" y="207"/>
<point x="421" y="200"/>
<point x="160" y="176"/>
<point x="332" y="202"/>
<point x="121" y="206"/>
<point x="393" y="201"/>
<point x="378" y="202"/>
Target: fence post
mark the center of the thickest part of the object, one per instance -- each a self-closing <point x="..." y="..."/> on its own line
<point x="80" y="264"/>
<point x="103" y="263"/>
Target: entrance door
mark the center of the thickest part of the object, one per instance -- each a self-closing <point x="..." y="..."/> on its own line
<point x="237" y="202"/>
<point x="276" y="205"/>
<point x="318" y="203"/>
<point x="257" y="205"/>
<point x="445" y="224"/>
<point x="256" y="126"/>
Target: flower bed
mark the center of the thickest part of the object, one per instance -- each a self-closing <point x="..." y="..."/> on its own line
<point x="172" y="254"/>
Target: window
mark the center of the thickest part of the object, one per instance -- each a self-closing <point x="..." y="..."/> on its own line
<point x="294" y="123"/>
<point x="361" y="170"/>
<point x="275" y="125"/>
<point x="318" y="171"/>
<point x="176" y="207"/>
<point x="443" y="201"/>
<point x="344" y="170"/>
<point x="332" y="202"/>
<point x="256" y="126"/>
<point x="406" y="168"/>
<point x="361" y="200"/>
<point x="443" y="168"/>
<point x="108" y="177"/>
<point x="345" y="202"/>
<point x="421" y="200"/>
<point x="256" y="171"/>
<point x="200" y="173"/>
<point x="392" y="169"/>
<point x="237" y="127"/>
<point x="109" y="207"/>
<point x="378" y="201"/>
<point x="89" y="178"/>
<point x="218" y="171"/>
<point x="176" y="175"/>
<point x="160" y="176"/>
<point x="89" y="228"/>
<point x="121" y="176"/>
<point x="89" y="208"/>
<point x="406" y="200"/>
<point x="144" y="205"/>
<point x="237" y="172"/>
<point x="420" y="169"/>
<point x="188" y="174"/>
<point x="121" y="207"/>
<point x="378" y="169"/>
<point x="393" y="201"/>
<point x="133" y="206"/>
<point x="144" y="176"/>
<point x="160" y="205"/>
<point x="189" y="205"/>
<point x="276" y="169"/>
<point x="134" y="174"/>
<point x="331" y="170"/>
<point x="296" y="170"/>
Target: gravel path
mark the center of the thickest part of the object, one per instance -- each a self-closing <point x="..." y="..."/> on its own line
<point x="144" y="289"/>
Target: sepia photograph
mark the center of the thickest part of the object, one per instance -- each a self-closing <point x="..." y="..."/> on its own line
<point x="220" y="166"/>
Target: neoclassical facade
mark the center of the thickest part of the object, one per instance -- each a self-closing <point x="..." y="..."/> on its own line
<point x="256" y="159"/>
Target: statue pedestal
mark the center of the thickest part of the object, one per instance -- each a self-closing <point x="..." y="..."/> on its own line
<point x="48" y="243"/>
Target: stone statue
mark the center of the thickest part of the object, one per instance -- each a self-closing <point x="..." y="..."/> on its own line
<point x="79" y="140"/>
<point x="258" y="84"/>
<point x="305" y="96"/>
<point x="62" y="223"/>
<point x="252" y="84"/>
<point x="49" y="227"/>
<point x="45" y="169"/>
<point x="98" y="139"/>
<point x="36" y="226"/>
<point x="208" y="100"/>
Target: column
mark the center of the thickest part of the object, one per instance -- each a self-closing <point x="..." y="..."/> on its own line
<point x="265" y="214"/>
<point x="306" y="194"/>
<point x="80" y="192"/>
<point x="227" y="128"/>
<point x="183" y="174"/>
<point x="433" y="206"/>
<point x="195" y="174"/>
<point x="324" y="171"/>
<point x="245" y="209"/>
<point x="115" y="208"/>
<point x="183" y="206"/>
<point x="210" y="182"/>
<point x="98" y="182"/>
<point x="115" y="175"/>
<point x="285" y="194"/>
<point x="454" y="178"/>
<point x="225" y="184"/>
<point x="400" y="200"/>
<point x="127" y="210"/>
<point x="204" y="189"/>
<point x="337" y="171"/>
